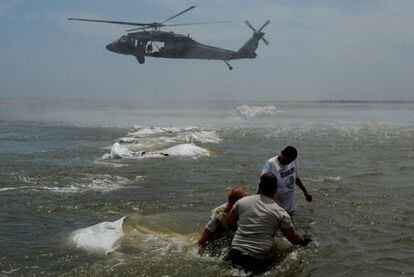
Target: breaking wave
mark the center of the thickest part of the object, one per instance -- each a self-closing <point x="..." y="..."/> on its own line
<point x="84" y="183"/>
<point x="255" y="111"/>
<point x="106" y="184"/>
<point x="158" y="142"/>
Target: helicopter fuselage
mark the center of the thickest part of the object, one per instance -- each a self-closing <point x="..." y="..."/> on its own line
<point x="162" y="44"/>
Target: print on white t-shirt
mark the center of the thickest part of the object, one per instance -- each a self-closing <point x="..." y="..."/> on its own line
<point x="286" y="178"/>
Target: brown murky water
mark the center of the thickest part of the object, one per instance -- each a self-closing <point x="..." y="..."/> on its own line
<point x="57" y="176"/>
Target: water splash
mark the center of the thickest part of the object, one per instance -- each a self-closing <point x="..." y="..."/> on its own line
<point x="255" y="111"/>
<point x="101" y="237"/>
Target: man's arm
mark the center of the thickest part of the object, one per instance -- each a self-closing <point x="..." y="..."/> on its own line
<point x="210" y="229"/>
<point x="233" y="217"/>
<point x="294" y="237"/>
<point x="300" y="184"/>
<point x="204" y="237"/>
<point x="266" y="169"/>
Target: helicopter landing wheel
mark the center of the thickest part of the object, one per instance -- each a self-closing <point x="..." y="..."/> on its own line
<point x="228" y="64"/>
<point x="141" y="60"/>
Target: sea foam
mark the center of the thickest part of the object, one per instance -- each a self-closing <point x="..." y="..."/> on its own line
<point x="102" y="183"/>
<point x="202" y="137"/>
<point x="8" y="189"/>
<point x="119" y="151"/>
<point x="152" y="130"/>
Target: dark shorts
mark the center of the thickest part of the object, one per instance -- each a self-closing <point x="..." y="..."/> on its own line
<point x="249" y="263"/>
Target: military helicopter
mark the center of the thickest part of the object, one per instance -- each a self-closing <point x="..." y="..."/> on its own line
<point x="149" y="41"/>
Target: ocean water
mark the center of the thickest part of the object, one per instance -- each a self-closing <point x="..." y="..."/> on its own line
<point x="95" y="187"/>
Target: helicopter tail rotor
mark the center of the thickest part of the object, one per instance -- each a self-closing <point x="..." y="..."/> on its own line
<point x="248" y="50"/>
<point x="259" y="31"/>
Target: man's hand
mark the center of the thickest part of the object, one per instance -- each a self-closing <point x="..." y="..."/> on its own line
<point x="294" y="237"/>
<point x="308" y="197"/>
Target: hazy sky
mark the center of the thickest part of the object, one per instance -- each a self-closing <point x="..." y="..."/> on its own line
<point x="319" y="50"/>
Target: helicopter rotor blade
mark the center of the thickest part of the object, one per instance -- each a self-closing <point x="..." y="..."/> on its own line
<point x="154" y="25"/>
<point x="264" y="25"/>
<point x="197" y="23"/>
<point x="178" y="14"/>
<point x="180" y="24"/>
<point x="137" y="29"/>
<point x="250" y="26"/>
<point x="265" y="41"/>
<point x="109" y="21"/>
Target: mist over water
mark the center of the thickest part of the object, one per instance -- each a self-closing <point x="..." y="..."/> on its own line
<point x="71" y="171"/>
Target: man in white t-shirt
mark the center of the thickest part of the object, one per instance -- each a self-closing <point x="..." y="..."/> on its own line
<point x="284" y="168"/>
<point x="258" y="218"/>
<point x="219" y="216"/>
